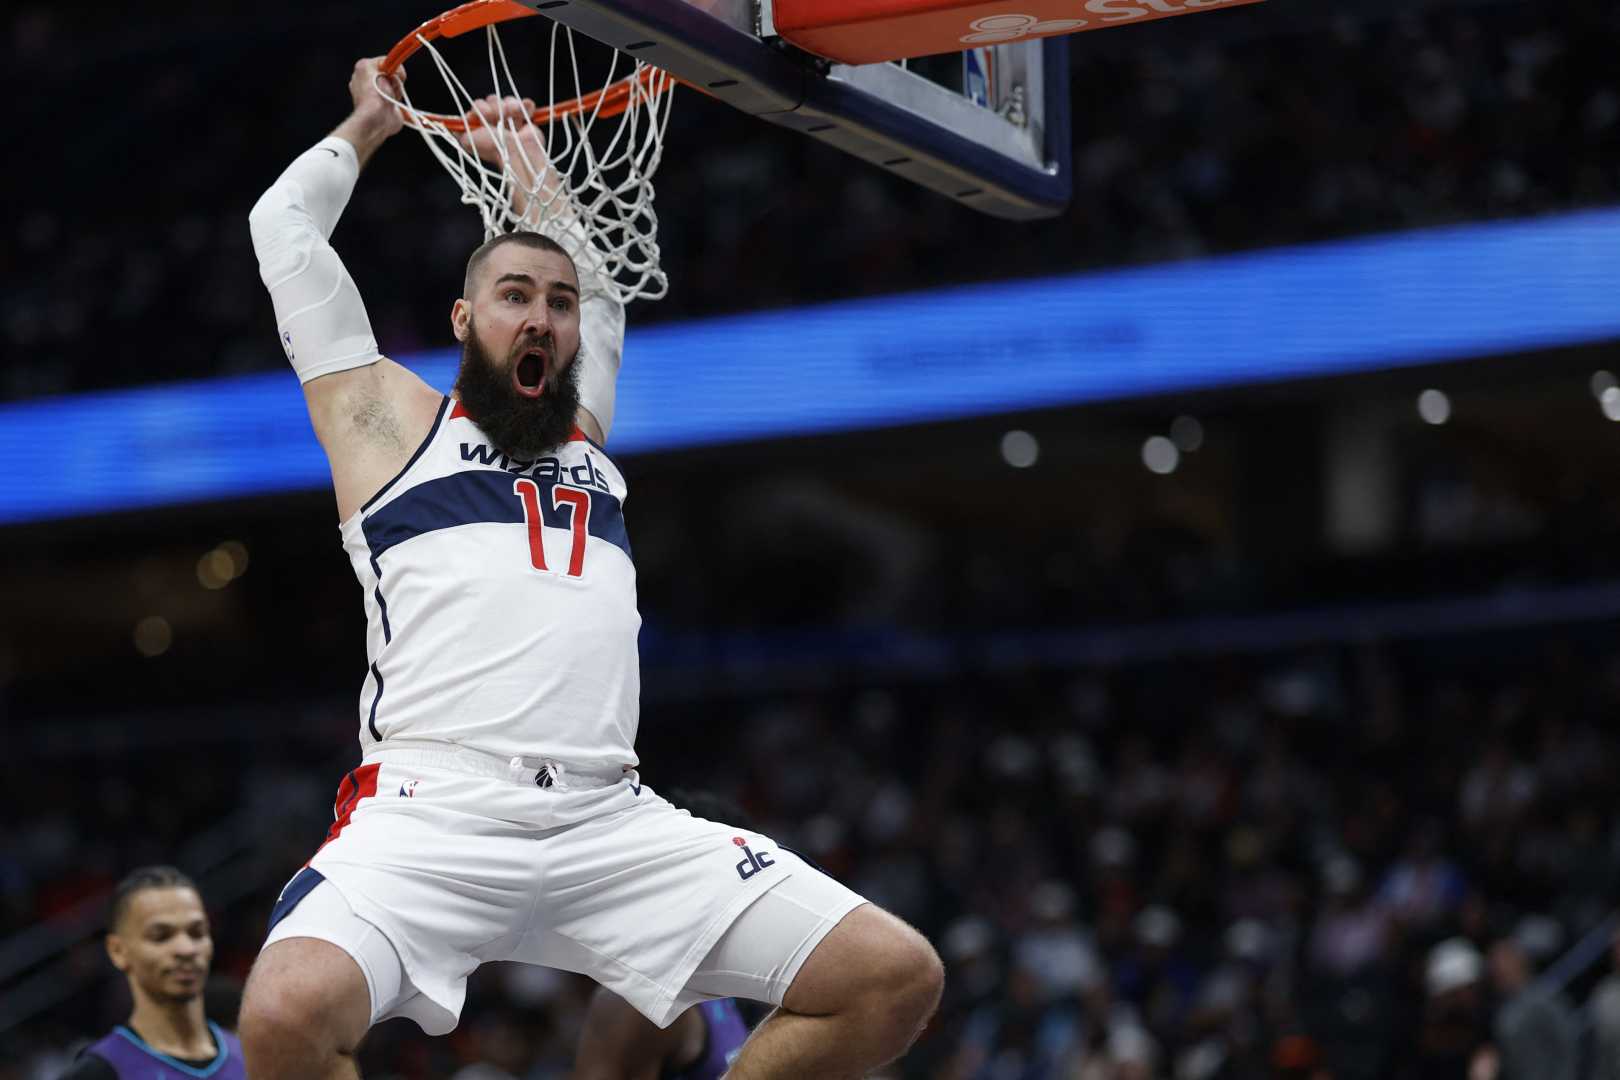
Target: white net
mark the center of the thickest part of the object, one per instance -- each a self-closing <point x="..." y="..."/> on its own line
<point x="586" y="182"/>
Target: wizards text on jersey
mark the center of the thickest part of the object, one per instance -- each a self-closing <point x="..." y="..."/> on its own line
<point x="546" y="470"/>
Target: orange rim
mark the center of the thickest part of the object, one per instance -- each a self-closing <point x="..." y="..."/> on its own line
<point x="611" y="100"/>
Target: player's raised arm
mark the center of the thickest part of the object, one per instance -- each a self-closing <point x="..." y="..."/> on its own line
<point x="542" y="200"/>
<point x="368" y="412"/>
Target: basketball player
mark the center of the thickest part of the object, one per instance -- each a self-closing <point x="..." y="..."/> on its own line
<point x="157" y="935"/>
<point x="497" y="813"/>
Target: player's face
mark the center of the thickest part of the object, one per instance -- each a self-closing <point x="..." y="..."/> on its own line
<point x="527" y="315"/>
<point x="519" y="376"/>
<point x="163" y="944"/>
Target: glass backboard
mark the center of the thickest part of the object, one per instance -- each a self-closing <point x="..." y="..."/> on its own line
<point x="990" y="130"/>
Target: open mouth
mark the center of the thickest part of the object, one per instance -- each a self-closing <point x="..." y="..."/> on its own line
<point x="529" y="375"/>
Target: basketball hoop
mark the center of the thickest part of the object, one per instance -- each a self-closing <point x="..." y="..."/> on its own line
<point x="592" y="189"/>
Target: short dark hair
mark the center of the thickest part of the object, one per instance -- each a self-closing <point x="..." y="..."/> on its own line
<point x="139" y="880"/>
<point x="481" y="254"/>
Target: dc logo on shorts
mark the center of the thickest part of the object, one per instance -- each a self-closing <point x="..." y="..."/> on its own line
<point x="751" y="864"/>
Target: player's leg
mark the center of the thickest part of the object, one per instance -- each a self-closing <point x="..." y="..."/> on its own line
<point x="855" y="986"/>
<point x="324" y="976"/>
<point x="306" y="1007"/>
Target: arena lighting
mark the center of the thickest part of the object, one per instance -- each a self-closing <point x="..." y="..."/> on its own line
<point x="1160" y="455"/>
<point x="1020" y="449"/>
<point x="153" y="636"/>
<point x="215" y="569"/>
<point x="1434" y="407"/>
<point x="1331" y="309"/>
<point x="237" y="552"/>
<point x="1609" y="401"/>
<point x="1187" y="433"/>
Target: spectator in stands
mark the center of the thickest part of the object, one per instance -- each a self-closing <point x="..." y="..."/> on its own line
<point x="1425" y="886"/>
<point x="1453" y="1036"/>
<point x="1127" y="1053"/>
<point x="1603" y="1013"/>
<point x="1021" y="1035"/>
<point x="1536" y="1034"/>
<point x="1351" y="932"/>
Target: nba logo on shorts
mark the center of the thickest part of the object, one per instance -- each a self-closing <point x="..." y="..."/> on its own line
<point x="286" y="343"/>
<point x="752" y="864"/>
<point x="407" y="790"/>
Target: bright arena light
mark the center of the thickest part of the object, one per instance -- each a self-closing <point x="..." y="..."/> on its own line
<point x="1019" y="449"/>
<point x="237" y="552"/>
<point x="153" y="636"/>
<point x="1434" y="406"/>
<point x="1187" y="433"/>
<point x="215" y="570"/>
<point x="1160" y="455"/>
<point x="1610" y="401"/>
<point x="222" y="565"/>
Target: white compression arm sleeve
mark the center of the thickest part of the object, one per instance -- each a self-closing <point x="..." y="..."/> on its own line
<point x="319" y="313"/>
<point x="601" y="322"/>
<point x="601" y="336"/>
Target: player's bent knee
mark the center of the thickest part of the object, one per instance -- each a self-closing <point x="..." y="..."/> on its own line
<point x="900" y="992"/>
<point x="306" y="1000"/>
<point x="911" y="980"/>
<point x="876" y="968"/>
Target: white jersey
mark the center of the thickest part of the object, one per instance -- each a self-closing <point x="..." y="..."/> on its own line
<point x="500" y="601"/>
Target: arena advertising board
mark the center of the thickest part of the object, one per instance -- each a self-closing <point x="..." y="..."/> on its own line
<point x="1330" y="309"/>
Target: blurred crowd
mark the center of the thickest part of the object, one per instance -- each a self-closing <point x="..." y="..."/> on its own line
<point x="1347" y="863"/>
<point x="127" y="259"/>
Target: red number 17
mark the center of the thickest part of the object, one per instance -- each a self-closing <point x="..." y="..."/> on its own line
<point x="580" y="500"/>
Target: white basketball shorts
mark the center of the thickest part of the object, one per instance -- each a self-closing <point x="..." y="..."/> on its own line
<point x="442" y="859"/>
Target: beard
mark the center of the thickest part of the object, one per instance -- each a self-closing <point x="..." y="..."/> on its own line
<point x="520" y="427"/>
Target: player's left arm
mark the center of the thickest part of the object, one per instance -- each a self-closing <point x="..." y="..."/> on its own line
<point x="551" y="210"/>
<point x="618" y="1043"/>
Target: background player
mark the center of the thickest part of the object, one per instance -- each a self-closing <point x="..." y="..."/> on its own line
<point x="158" y="936"/>
<point x="618" y="1043"/>
<point x="497" y="814"/>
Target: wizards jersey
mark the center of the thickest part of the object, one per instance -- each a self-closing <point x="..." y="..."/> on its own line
<point x="500" y="601"/>
<point x="130" y="1057"/>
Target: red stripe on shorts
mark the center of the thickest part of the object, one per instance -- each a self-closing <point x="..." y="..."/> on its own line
<point x="359" y="784"/>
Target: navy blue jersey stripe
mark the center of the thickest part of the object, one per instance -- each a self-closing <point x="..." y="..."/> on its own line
<point x="298" y="888"/>
<point x="483" y="495"/>
<point x="420" y="450"/>
<point x="371" y="723"/>
<point x="382" y="605"/>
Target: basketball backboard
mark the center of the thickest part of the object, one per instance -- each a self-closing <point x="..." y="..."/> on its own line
<point x="1001" y="148"/>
